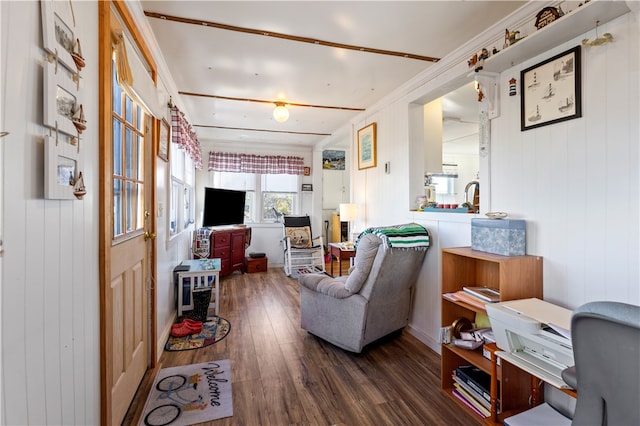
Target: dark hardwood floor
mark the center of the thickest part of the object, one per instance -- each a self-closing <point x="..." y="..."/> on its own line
<point x="281" y="375"/>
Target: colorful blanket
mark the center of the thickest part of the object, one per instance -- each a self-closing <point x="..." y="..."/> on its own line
<point x="410" y="235"/>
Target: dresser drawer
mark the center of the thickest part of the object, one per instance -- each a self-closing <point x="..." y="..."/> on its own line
<point x="222" y="239"/>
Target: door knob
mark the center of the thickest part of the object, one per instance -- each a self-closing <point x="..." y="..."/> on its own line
<point x="149" y="235"/>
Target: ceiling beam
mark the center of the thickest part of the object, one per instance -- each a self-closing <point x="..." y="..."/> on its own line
<point x="288" y="37"/>
<point x="265" y="101"/>
<point x="261" y="130"/>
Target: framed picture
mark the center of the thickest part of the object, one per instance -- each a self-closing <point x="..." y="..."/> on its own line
<point x="367" y="147"/>
<point x="163" y="140"/>
<point x="551" y="91"/>
<point x="307" y="171"/>
<point x="307" y="187"/>
<point x="333" y="159"/>
<point x="60" y="169"/>
<point x="57" y="33"/>
<point x="60" y="99"/>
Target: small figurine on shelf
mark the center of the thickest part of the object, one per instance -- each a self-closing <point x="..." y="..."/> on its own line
<point x="484" y="54"/>
<point x="473" y="60"/>
<point x="514" y="37"/>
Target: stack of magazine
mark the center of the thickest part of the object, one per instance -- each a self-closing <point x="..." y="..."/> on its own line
<point x="472" y="387"/>
<point x="475" y="296"/>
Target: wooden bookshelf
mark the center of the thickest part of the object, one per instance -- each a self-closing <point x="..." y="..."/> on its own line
<point x="516" y="277"/>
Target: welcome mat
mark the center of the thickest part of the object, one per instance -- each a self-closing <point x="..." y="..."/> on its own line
<point x="189" y="394"/>
<point x="213" y="331"/>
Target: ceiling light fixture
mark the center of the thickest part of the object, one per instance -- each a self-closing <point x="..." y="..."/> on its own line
<point x="280" y="112"/>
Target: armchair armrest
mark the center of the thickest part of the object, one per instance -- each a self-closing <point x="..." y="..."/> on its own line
<point x="333" y="287"/>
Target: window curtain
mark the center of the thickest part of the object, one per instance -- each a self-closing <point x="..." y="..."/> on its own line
<point x="183" y="134"/>
<point x="249" y="163"/>
<point x="133" y="76"/>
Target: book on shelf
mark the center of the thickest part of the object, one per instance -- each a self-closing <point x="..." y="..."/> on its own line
<point x="463" y="296"/>
<point x="458" y="383"/>
<point x="477" y="379"/>
<point x="472" y="400"/>
<point x="487" y="294"/>
<point x="458" y="395"/>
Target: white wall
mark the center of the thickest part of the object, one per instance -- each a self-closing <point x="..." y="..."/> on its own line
<point x="575" y="183"/>
<point x="49" y="283"/>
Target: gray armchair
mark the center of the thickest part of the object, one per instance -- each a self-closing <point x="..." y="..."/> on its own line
<point x="372" y="302"/>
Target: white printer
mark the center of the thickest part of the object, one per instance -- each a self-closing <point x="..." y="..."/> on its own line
<point x="535" y="336"/>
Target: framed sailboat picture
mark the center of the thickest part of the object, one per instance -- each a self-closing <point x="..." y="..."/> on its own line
<point x="551" y="91"/>
<point x="61" y="169"/>
<point x="57" y="31"/>
<point x="62" y="110"/>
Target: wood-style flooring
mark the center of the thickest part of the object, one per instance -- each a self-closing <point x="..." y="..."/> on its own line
<point x="282" y="375"/>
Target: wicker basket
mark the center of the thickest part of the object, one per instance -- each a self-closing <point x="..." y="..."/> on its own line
<point x="201" y="299"/>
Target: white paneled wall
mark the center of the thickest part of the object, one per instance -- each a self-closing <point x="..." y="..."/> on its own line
<point x="576" y="183"/>
<point x="50" y="333"/>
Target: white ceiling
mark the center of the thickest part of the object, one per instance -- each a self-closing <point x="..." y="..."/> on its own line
<point x="223" y="63"/>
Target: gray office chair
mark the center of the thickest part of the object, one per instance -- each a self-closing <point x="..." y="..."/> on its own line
<point x="606" y="374"/>
<point x="606" y="350"/>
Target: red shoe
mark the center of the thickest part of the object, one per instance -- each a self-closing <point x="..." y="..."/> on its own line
<point x="188" y="321"/>
<point x="185" y="327"/>
<point x="181" y="331"/>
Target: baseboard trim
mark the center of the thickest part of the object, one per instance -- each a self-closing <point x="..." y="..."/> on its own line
<point x="424" y="338"/>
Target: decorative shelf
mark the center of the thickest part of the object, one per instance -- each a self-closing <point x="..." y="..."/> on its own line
<point x="574" y="23"/>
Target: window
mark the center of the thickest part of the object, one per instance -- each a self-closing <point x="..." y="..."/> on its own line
<point x="265" y="192"/>
<point x="181" y="210"/>
<point x="128" y="162"/>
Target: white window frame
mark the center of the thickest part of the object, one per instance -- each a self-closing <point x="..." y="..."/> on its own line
<point x="257" y="208"/>
<point x="181" y="193"/>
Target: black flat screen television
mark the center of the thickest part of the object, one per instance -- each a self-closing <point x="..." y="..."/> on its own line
<point x="223" y="207"/>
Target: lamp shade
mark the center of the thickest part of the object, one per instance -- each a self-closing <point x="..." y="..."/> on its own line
<point x="280" y="113"/>
<point x="348" y="212"/>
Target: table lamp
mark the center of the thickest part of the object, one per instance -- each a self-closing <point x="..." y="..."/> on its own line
<point x="348" y="213"/>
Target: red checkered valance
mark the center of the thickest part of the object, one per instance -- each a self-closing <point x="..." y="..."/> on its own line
<point x="249" y="163"/>
<point x="183" y="134"/>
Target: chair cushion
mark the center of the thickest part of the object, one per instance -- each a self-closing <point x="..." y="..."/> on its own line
<point x="365" y="255"/>
<point x="324" y="284"/>
<point x="300" y="236"/>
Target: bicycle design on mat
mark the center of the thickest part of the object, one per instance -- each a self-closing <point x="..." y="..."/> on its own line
<point x="182" y="393"/>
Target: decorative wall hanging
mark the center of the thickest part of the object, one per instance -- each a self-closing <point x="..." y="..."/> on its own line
<point x="163" y="140"/>
<point x="62" y="110"/>
<point x="307" y="187"/>
<point x="307" y="171"/>
<point x="333" y="159"/>
<point x="598" y="41"/>
<point x="367" y="147"/>
<point x="58" y="36"/>
<point x="551" y="91"/>
<point x="512" y="87"/>
<point x="61" y="170"/>
<point x="546" y="16"/>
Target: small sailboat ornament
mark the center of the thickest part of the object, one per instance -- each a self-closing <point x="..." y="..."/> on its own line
<point x="76" y="54"/>
<point x="79" y="189"/>
<point x="77" y="118"/>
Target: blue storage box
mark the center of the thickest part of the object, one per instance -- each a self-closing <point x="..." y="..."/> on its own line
<point x="499" y="236"/>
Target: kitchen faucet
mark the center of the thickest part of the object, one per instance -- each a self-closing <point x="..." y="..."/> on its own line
<point x="475" y="206"/>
